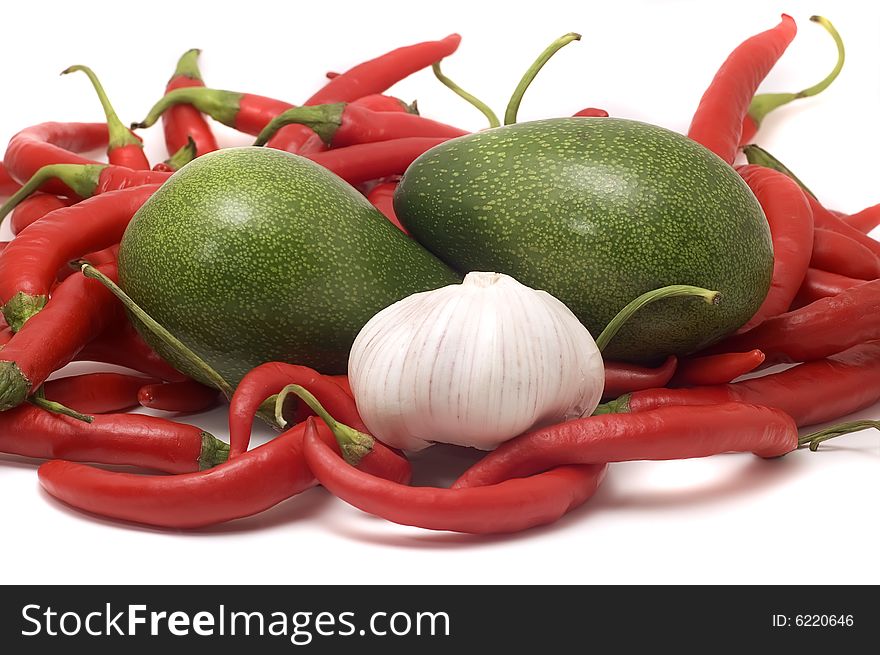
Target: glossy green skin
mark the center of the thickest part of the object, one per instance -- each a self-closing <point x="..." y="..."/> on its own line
<point x="250" y="255"/>
<point x="597" y="211"/>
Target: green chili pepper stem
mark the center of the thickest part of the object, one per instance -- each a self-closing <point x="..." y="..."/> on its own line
<point x="534" y="69"/>
<point x="324" y="120"/>
<point x="673" y="291"/>
<point x="355" y="445"/>
<point x="816" y="438"/>
<point x="82" y="179"/>
<point x="220" y="105"/>
<point x="470" y="98"/>
<point x="183" y="156"/>
<point x="180" y="349"/>
<point x="757" y="155"/>
<point x="58" y="408"/>
<point x="119" y="134"/>
<point x="764" y="103"/>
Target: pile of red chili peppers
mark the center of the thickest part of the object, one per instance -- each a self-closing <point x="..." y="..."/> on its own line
<point x="822" y="313"/>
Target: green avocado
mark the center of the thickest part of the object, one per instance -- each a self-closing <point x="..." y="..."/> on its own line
<point x="250" y="255"/>
<point x="597" y="211"/>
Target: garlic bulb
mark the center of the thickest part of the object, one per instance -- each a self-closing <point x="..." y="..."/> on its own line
<point x="473" y="364"/>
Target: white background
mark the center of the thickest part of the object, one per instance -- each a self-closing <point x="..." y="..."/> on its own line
<point x="734" y="519"/>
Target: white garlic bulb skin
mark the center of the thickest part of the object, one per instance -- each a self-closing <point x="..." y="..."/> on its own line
<point x="473" y="364"/>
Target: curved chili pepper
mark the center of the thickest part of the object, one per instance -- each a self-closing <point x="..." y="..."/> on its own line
<point x="342" y="382"/>
<point x="124" y="148"/>
<point x="840" y="254"/>
<point x="826" y="220"/>
<point x="592" y="112"/>
<point x="718" y="122"/>
<point x="508" y="506"/>
<point x="96" y="393"/>
<point x="184" y="122"/>
<point x="814" y="392"/>
<point x="865" y="220"/>
<point x="123" y="346"/>
<point x="621" y="377"/>
<point x="791" y="229"/>
<point x="379" y="74"/>
<point x="33" y="208"/>
<point x="372" y="161"/>
<point x="83" y="181"/>
<point x="244" y="112"/>
<point x="825" y="327"/>
<point x="765" y="103"/>
<point x="660" y="434"/>
<point x="130" y="439"/>
<point x="8" y="186"/>
<point x="821" y="284"/>
<point x="381" y="197"/>
<point x="268" y="379"/>
<point x="246" y="485"/>
<point x="52" y="143"/>
<point x="715" y="369"/>
<point x="79" y="309"/>
<point x="341" y="124"/>
<point x="185" y="396"/>
<point x="28" y="267"/>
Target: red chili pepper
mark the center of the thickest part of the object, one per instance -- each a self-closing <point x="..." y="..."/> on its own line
<point x="718" y="121"/>
<point x="185" y="396"/>
<point x="814" y="392"/>
<point x="124" y="148"/>
<point x="592" y="112"/>
<point x="826" y="220"/>
<point x="33" y="208"/>
<point x="825" y="327"/>
<point x="840" y="254"/>
<point x="268" y="379"/>
<point x="184" y="122"/>
<point x="791" y="228"/>
<point x="822" y="284"/>
<point x="621" y="377"/>
<point x="661" y="434"/>
<point x="863" y="221"/>
<point x="341" y="124"/>
<point x="765" y="103"/>
<point x="178" y="160"/>
<point x="342" y="382"/>
<point x="379" y="74"/>
<point x="509" y="506"/>
<point x="52" y="143"/>
<point x="28" y="267"/>
<point x="381" y="102"/>
<point x="79" y="309"/>
<point x="8" y="186"/>
<point x="246" y="485"/>
<point x="244" y="112"/>
<point x="129" y="439"/>
<point x="715" y="369"/>
<point x="382" y="198"/>
<point x="372" y="161"/>
<point x="96" y="393"/>
<point x="123" y="346"/>
<point x="82" y="181"/>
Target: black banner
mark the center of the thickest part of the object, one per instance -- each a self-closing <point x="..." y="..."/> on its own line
<point x="435" y="619"/>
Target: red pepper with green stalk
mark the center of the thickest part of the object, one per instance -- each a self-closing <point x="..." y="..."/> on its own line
<point x="718" y="122"/>
<point x="52" y="143"/>
<point x="124" y="148"/>
<point x="184" y="122"/>
<point x="122" y="439"/>
<point x="764" y="103"/>
<point x="121" y="345"/>
<point x="30" y="263"/>
<point x="78" y="310"/>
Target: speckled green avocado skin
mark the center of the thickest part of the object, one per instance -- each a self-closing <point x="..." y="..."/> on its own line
<point x="598" y="211"/>
<point x="251" y="255"/>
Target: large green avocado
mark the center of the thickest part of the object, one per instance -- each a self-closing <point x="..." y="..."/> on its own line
<point x="250" y="255"/>
<point x="597" y="211"/>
